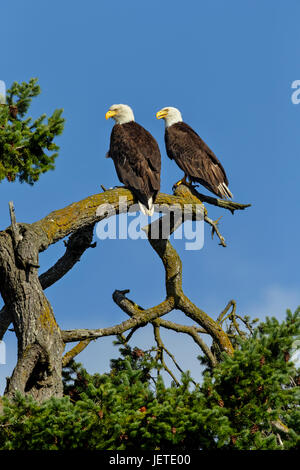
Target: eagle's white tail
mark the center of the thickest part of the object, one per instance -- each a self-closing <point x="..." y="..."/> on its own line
<point x="224" y="190"/>
<point x="145" y="210"/>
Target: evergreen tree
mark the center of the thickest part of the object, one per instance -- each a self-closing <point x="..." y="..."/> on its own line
<point x="248" y="401"/>
<point x="26" y="147"/>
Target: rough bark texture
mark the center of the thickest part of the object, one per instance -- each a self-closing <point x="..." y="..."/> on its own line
<point x="40" y="341"/>
<point x="40" y="345"/>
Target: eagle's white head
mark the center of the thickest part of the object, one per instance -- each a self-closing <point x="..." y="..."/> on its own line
<point x="121" y="113"/>
<point x="170" y="115"/>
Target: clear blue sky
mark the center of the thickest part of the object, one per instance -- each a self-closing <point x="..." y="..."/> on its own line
<point x="228" y="66"/>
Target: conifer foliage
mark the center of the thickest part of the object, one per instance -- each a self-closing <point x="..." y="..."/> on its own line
<point x="27" y="147"/>
<point x="248" y="401"/>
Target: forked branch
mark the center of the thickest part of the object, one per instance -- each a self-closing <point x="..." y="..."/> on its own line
<point x="78" y="220"/>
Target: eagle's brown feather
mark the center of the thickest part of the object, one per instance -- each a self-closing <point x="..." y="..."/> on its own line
<point x="196" y="159"/>
<point x="137" y="160"/>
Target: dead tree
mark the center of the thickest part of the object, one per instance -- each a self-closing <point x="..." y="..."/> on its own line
<point x="41" y="342"/>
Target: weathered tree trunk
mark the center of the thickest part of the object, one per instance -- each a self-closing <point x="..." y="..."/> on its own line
<point x="40" y="340"/>
<point x="40" y="347"/>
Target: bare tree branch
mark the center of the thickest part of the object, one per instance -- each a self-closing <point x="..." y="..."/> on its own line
<point x="173" y="269"/>
<point x="138" y="318"/>
<point x="15" y="229"/>
<point x="22" y="290"/>
<point x="76" y="246"/>
<point x="59" y="224"/>
<point x="75" y="351"/>
<point x="221" y="318"/>
<point x="131" y="308"/>
<point x="215" y="229"/>
<point x="161" y="349"/>
<point x="175" y="296"/>
<point x="225" y="204"/>
<point x="191" y="331"/>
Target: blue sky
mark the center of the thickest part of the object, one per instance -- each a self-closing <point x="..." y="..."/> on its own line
<point x="228" y="66"/>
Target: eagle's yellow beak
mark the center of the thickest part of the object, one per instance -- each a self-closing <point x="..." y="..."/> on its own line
<point x="110" y="114"/>
<point x="161" y="114"/>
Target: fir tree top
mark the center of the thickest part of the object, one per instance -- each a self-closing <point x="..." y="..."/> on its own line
<point x="26" y="147"/>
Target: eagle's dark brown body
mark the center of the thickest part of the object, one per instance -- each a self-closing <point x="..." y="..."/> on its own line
<point x="137" y="160"/>
<point x="196" y="159"/>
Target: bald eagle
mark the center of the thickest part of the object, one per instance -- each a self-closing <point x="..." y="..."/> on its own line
<point x="192" y="154"/>
<point x="136" y="156"/>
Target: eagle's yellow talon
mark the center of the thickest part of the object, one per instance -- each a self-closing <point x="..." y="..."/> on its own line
<point x="175" y="185"/>
<point x="182" y="181"/>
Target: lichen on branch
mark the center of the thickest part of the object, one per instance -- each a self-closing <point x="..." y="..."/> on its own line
<point x="19" y="264"/>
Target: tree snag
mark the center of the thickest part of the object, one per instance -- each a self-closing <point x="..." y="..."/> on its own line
<point x="41" y="343"/>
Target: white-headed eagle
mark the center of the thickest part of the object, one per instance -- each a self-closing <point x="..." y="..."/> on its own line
<point x="192" y="154"/>
<point x="136" y="156"/>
